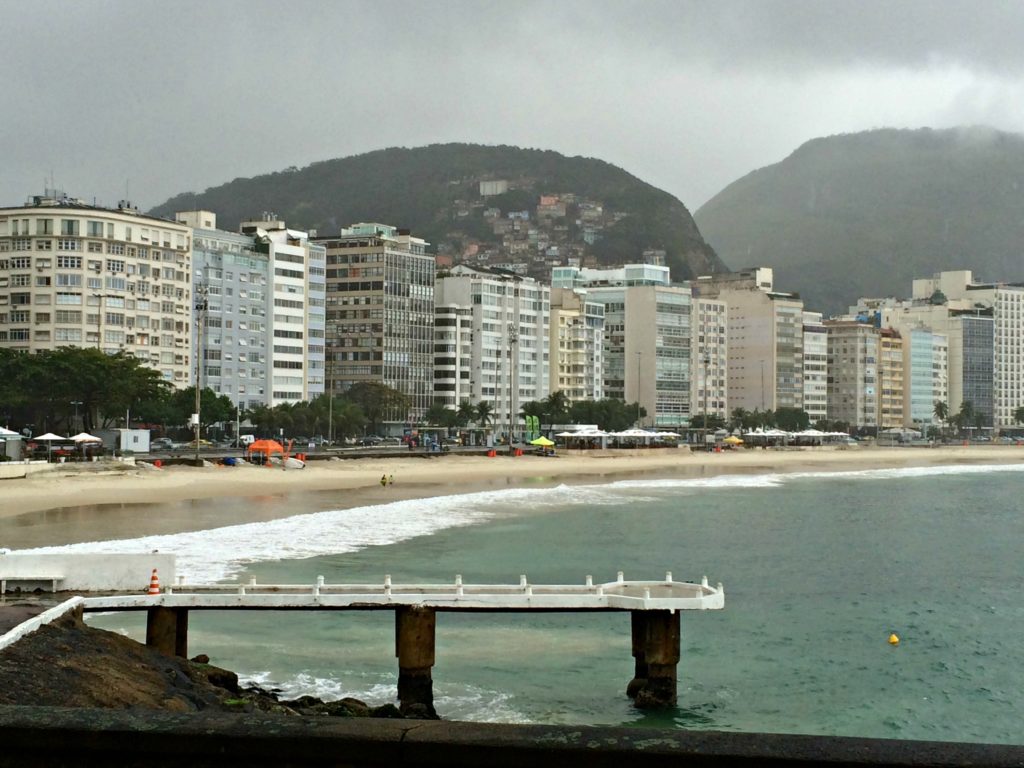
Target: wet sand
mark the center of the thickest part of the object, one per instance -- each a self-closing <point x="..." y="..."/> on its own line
<point x="71" y="504"/>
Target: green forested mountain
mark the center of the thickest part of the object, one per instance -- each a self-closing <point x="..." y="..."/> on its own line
<point x="863" y="214"/>
<point x="435" y="192"/>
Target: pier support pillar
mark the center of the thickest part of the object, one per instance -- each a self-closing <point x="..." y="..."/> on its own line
<point x="414" y="646"/>
<point x="656" y="653"/>
<point x="167" y="631"/>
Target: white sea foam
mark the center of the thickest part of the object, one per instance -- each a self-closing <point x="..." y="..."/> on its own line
<point x="453" y="701"/>
<point x="220" y="553"/>
<point x="774" y="480"/>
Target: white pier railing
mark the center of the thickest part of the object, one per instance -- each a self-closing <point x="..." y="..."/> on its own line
<point x="618" y="595"/>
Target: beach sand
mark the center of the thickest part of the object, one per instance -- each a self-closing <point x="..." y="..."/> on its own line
<point x="76" y="503"/>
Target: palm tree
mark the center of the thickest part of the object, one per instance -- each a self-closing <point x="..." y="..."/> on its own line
<point x="465" y="413"/>
<point x="738" y="418"/>
<point x="556" y="405"/>
<point x="941" y="412"/>
<point x="1018" y="415"/>
<point x="966" y="416"/>
<point x="484" y="415"/>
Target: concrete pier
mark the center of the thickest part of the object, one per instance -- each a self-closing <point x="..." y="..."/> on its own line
<point x="655" y="636"/>
<point x="167" y="630"/>
<point x="415" y="630"/>
<point x="654" y="608"/>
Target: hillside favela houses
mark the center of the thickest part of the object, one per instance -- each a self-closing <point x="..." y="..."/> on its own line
<point x="275" y="315"/>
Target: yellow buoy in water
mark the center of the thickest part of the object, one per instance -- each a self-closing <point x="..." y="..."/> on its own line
<point x="894" y="639"/>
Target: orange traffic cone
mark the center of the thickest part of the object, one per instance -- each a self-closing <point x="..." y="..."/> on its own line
<point x="154" y="584"/>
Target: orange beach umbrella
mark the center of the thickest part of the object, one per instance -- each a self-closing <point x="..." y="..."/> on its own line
<point x="265" y="447"/>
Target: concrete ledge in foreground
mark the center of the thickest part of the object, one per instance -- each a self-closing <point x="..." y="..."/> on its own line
<point x="37" y="736"/>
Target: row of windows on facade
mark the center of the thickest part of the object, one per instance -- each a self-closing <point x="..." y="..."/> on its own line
<point x="74" y="261"/>
<point x="73" y="228"/>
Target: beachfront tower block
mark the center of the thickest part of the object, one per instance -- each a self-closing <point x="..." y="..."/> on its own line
<point x="765" y="339"/>
<point x="81" y="275"/>
<point x="380" y="315"/>
<point x="500" y="353"/>
<point x="263" y="335"/>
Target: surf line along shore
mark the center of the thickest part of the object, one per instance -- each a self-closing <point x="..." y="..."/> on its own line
<point x="67" y="486"/>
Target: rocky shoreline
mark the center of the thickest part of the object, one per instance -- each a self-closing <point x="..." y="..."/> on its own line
<point x="69" y="664"/>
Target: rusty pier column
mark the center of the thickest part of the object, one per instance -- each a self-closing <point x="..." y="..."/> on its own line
<point x="167" y="630"/>
<point x="656" y="651"/>
<point x="414" y="646"/>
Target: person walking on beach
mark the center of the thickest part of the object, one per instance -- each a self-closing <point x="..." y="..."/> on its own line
<point x="383" y="480"/>
<point x="391" y="479"/>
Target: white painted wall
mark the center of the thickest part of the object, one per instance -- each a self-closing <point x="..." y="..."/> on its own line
<point x="91" y="572"/>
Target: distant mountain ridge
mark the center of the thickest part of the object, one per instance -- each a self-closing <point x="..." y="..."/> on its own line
<point x="610" y="217"/>
<point x="864" y="214"/>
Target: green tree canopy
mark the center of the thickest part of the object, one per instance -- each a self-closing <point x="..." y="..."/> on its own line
<point x="378" y="402"/>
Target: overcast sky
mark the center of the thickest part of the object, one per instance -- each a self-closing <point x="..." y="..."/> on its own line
<point x="148" y="99"/>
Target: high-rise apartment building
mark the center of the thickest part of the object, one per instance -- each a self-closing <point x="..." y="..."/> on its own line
<point x="815" y="367"/>
<point x="577" y="345"/>
<point x="853" y="377"/>
<point x="380" y="314"/>
<point x="765" y="339"/>
<point x="491" y="344"/>
<point x="1005" y="303"/>
<point x="296" y="298"/>
<point x="230" y="272"/>
<point x="709" y="353"/>
<point x="890" y="379"/>
<point x="73" y="274"/>
<point x="925" y="372"/>
<point x="648" y="343"/>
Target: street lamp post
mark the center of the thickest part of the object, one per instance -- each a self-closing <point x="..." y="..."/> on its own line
<point x="513" y="356"/>
<point x="201" y="306"/>
<point x="707" y="366"/>
<point x="639" y="357"/>
<point x="76" y="403"/>
<point x="330" y="396"/>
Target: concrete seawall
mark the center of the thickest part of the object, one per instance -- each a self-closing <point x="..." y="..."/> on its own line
<point x="128" y="573"/>
<point x="37" y="736"/>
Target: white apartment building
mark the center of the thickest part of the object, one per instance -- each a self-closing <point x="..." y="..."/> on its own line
<point x="765" y="339"/>
<point x="577" y="345"/>
<point x="236" y="347"/>
<point x="709" y="353"/>
<point x="960" y="352"/>
<point x="453" y="355"/>
<point x="296" y="299"/>
<point x="647" y="353"/>
<point x="73" y="274"/>
<point x="815" y="367"/>
<point x="504" y="357"/>
<point x="1006" y="303"/>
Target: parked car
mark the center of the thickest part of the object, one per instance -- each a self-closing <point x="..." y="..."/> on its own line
<point x="161" y="444"/>
<point x="370" y="440"/>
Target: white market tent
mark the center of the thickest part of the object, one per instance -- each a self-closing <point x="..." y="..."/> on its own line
<point x="582" y="435"/>
<point x="48" y="438"/>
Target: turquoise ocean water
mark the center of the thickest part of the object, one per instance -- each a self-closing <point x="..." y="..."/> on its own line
<point x="818" y="571"/>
